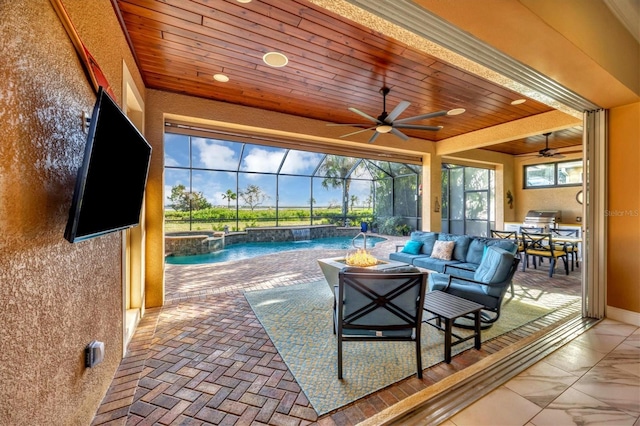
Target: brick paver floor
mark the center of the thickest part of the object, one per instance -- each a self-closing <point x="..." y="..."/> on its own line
<point x="204" y="358"/>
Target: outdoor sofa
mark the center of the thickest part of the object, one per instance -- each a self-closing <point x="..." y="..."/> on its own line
<point x="465" y="256"/>
<point x="474" y="268"/>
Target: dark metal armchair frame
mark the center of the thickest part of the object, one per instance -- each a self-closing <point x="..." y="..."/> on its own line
<point x="369" y="307"/>
<point x="489" y="314"/>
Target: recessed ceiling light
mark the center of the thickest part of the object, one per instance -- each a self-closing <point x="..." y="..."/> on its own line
<point x="518" y="101"/>
<point x="275" y="59"/>
<point x="221" y="78"/>
<point x="243" y="1"/>
<point x="456" y="111"/>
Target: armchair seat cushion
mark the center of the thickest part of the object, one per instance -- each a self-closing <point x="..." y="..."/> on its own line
<point x="462" y="269"/>
<point x="467" y="290"/>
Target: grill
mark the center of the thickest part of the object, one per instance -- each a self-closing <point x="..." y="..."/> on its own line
<point x="544" y="219"/>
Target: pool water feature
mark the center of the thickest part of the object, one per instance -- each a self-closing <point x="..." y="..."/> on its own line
<point x="248" y="250"/>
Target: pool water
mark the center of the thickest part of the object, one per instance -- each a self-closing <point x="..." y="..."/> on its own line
<point x="248" y="250"/>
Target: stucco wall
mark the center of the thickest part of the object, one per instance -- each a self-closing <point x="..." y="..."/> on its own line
<point x="623" y="216"/>
<point x="55" y="297"/>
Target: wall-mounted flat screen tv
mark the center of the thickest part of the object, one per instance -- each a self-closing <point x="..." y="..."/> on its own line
<point x="110" y="185"/>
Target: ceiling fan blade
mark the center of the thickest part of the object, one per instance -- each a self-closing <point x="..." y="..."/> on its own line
<point x="374" y="137"/>
<point x="416" y="127"/>
<point x="399" y="134"/>
<point x="365" y="115"/>
<point x="359" y="131"/>
<point x="347" y="125"/>
<point x="399" y="109"/>
<point x="421" y="117"/>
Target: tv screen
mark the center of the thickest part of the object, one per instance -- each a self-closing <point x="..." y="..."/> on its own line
<point x="110" y="185"/>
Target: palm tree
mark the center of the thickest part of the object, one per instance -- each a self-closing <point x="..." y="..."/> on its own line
<point x="337" y="171"/>
<point x="229" y="196"/>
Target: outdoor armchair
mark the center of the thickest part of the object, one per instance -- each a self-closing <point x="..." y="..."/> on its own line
<point x="379" y="306"/>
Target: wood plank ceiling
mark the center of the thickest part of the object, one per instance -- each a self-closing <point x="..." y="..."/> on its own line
<point x="333" y="64"/>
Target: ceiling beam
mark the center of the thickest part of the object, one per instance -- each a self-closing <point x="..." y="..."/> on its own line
<point x="518" y="129"/>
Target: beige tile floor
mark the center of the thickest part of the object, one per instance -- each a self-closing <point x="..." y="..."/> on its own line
<point x="593" y="380"/>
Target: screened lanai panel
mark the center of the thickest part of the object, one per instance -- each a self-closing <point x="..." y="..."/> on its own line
<point x="176" y="151"/>
<point x="294" y="191"/>
<point x="214" y="154"/>
<point x="405" y="196"/>
<point x="383" y="169"/>
<point x="261" y="159"/>
<point x="257" y="191"/>
<point x="301" y="163"/>
<point x="336" y="166"/>
<point x="215" y="186"/>
<point x="360" y="194"/>
<point x="383" y="197"/>
<point x="173" y="178"/>
<point x="361" y="171"/>
<point x="398" y="169"/>
<point x="325" y="195"/>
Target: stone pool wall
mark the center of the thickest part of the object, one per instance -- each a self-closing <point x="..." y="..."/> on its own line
<point x="186" y="244"/>
<point x="294" y="233"/>
<point x="199" y="242"/>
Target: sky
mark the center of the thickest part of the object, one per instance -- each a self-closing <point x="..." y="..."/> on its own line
<point x="215" y="163"/>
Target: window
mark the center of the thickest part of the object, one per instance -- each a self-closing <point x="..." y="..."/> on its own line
<point x="566" y="173"/>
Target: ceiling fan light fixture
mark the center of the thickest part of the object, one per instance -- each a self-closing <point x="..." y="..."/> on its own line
<point x="384" y="128"/>
<point x="275" y="59"/>
<point x="456" y="111"/>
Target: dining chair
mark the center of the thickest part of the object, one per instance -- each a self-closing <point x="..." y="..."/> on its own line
<point x="570" y="247"/>
<point x="541" y="246"/>
<point x="509" y="235"/>
<point x="379" y="306"/>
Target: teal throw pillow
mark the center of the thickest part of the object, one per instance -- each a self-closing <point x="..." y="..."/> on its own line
<point x="412" y="247"/>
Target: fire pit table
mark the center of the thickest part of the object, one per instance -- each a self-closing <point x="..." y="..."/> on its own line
<point x="331" y="266"/>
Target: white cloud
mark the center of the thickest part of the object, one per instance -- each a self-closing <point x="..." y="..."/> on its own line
<point x="215" y="154"/>
<point x="262" y="160"/>
<point x="300" y="161"/>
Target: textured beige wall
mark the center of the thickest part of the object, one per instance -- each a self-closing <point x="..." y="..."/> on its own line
<point x="623" y="221"/>
<point x="55" y="297"/>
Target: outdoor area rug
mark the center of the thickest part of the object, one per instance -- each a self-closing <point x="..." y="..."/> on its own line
<point x="298" y="319"/>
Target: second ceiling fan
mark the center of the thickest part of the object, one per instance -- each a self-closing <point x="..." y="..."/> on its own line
<point x="550" y="152"/>
<point x="387" y="123"/>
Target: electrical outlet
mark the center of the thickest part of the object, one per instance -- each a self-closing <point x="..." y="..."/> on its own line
<point x="93" y="354"/>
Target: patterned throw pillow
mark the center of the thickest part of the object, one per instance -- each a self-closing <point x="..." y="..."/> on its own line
<point x="443" y="249"/>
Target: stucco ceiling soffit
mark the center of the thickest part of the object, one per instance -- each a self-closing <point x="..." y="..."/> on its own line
<point x="518" y="129"/>
<point x="572" y="54"/>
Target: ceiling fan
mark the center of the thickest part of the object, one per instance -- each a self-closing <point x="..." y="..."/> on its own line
<point x="549" y="152"/>
<point x="387" y="123"/>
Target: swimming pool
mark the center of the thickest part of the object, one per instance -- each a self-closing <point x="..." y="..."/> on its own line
<point x="248" y="250"/>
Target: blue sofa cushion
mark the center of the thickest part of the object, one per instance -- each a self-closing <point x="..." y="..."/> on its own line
<point x="427" y="239"/>
<point x="405" y="257"/>
<point x="431" y="263"/>
<point x="412" y="247"/>
<point x="494" y="266"/>
<point x="461" y="247"/>
<point x="478" y="246"/>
